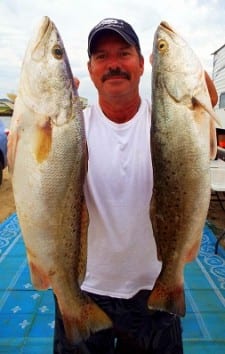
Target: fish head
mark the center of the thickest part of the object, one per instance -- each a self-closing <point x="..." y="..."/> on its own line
<point x="179" y="83"/>
<point x="46" y="81"/>
<point x="175" y="65"/>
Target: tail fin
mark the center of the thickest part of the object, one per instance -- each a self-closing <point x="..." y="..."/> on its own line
<point x="89" y="319"/>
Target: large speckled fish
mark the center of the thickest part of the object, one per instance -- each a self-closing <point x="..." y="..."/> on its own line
<point x="47" y="159"/>
<point x="182" y="140"/>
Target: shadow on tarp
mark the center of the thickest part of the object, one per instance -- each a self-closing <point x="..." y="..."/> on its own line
<point x="27" y="315"/>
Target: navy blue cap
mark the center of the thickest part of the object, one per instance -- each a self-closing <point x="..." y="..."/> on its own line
<point x="123" y="28"/>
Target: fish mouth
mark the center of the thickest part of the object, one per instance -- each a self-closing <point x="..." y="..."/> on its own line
<point x="45" y="27"/>
<point x="166" y="26"/>
<point x="41" y="38"/>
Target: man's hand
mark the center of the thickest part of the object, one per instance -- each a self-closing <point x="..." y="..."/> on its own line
<point x="76" y="82"/>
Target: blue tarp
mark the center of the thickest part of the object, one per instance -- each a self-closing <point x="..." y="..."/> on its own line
<point x="27" y="315"/>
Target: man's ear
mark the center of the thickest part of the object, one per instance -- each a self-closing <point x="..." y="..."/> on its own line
<point x="142" y="61"/>
<point x="151" y="59"/>
<point x="89" y="66"/>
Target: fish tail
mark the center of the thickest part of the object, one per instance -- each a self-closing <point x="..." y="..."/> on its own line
<point x="166" y="298"/>
<point x="89" y="319"/>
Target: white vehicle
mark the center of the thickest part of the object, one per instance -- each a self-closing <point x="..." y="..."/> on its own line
<point x="219" y="81"/>
<point x="3" y="149"/>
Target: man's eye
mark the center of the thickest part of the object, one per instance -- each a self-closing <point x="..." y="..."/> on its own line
<point x="124" y="54"/>
<point x="100" y="56"/>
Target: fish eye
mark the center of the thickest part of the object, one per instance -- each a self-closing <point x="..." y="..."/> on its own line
<point x="57" y="52"/>
<point x="162" y="45"/>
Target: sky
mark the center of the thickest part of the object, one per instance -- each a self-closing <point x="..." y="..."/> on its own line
<point x="200" y="22"/>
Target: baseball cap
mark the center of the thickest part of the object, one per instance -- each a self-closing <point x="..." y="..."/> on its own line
<point x="123" y="28"/>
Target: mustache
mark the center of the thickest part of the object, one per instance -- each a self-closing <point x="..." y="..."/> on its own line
<point x="115" y="72"/>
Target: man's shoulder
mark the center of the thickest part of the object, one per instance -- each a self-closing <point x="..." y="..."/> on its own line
<point x="146" y="101"/>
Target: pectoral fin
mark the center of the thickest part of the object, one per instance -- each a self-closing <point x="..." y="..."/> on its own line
<point x="213" y="140"/>
<point x="212" y="127"/>
<point x="197" y="102"/>
<point x="43" y="141"/>
<point x="212" y="89"/>
<point x="13" y="138"/>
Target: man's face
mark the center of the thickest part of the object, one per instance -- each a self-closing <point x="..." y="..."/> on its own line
<point x="115" y="66"/>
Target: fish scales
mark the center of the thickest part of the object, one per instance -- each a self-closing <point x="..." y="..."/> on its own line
<point x="180" y="145"/>
<point x="47" y="157"/>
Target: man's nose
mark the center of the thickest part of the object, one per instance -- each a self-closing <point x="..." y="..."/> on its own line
<point x="113" y="62"/>
<point x="114" y="69"/>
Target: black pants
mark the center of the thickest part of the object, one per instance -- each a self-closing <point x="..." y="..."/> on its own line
<point x="135" y="330"/>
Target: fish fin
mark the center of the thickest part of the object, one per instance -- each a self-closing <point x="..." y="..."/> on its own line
<point x="213" y="140"/>
<point x="167" y="298"/>
<point x="89" y="319"/>
<point x="211" y="88"/>
<point x="197" y="102"/>
<point x="39" y="278"/>
<point x="213" y="97"/>
<point x="83" y="243"/>
<point x="13" y="138"/>
<point x="84" y="102"/>
<point x="212" y="128"/>
<point x="193" y="251"/>
<point x="43" y="141"/>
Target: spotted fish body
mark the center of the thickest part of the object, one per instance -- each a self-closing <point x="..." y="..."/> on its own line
<point x="47" y="158"/>
<point x="180" y="144"/>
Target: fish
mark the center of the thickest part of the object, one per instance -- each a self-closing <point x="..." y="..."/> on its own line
<point x="183" y="140"/>
<point x="47" y="154"/>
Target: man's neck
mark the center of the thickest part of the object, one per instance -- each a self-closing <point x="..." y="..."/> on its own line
<point x="118" y="110"/>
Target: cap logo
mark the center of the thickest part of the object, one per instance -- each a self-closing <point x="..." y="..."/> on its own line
<point x="109" y="21"/>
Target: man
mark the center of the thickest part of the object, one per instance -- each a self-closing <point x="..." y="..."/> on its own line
<point x="122" y="264"/>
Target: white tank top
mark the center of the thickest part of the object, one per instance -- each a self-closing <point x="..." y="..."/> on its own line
<point x="121" y="256"/>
